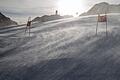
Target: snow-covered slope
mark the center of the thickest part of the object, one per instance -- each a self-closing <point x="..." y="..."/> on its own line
<point x="66" y="49"/>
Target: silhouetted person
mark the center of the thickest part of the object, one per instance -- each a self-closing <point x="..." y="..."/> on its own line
<point x="76" y="13"/>
<point x="28" y="26"/>
<point x="56" y="12"/>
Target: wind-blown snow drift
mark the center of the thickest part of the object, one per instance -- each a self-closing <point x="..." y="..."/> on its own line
<point x="66" y="49"/>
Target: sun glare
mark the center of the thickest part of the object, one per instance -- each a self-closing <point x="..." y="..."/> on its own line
<point x="71" y="7"/>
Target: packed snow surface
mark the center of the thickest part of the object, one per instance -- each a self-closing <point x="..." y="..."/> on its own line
<point x="66" y="49"/>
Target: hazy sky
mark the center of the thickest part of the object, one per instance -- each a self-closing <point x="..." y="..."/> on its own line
<point x="27" y="6"/>
<point x="41" y="7"/>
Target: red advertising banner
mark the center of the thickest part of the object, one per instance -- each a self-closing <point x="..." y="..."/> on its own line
<point x="102" y="18"/>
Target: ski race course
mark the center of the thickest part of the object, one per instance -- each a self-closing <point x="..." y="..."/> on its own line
<point x="66" y="49"/>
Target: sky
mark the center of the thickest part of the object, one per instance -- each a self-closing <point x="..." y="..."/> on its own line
<point x="21" y="9"/>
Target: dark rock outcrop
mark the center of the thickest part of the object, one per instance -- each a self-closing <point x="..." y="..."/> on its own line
<point x="5" y="21"/>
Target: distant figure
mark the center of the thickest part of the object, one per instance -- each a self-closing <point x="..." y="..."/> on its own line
<point x="76" y="13"/>
<point x="28" y="26"/>
<point x="56" y="12"/>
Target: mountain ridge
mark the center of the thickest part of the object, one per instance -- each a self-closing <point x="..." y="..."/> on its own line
<point x="45" y="18"/>
<point x="102" y="8"/>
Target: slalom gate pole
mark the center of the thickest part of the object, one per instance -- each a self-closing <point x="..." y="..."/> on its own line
<point x="97" y="26"/>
